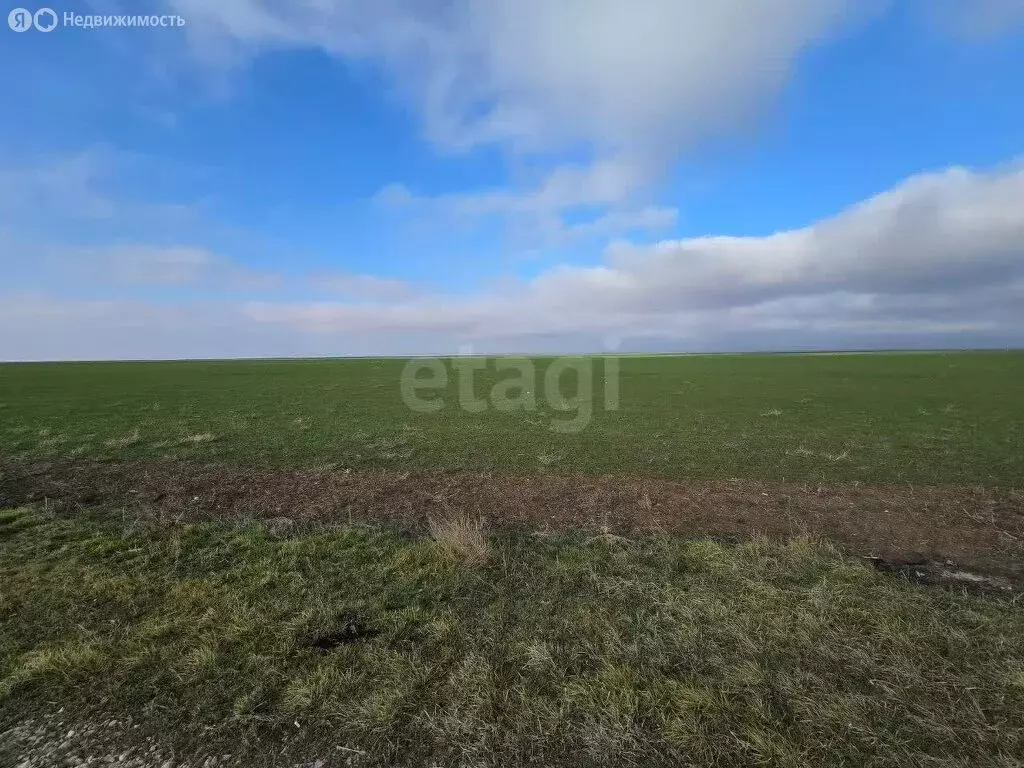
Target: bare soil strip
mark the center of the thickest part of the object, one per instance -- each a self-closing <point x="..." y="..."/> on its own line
<point x="921" y="529"/>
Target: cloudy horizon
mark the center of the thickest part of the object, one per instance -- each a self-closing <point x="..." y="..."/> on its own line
<point x="308" y="180"/>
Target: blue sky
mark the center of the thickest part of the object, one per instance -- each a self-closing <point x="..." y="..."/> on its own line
<point x="333" y="177"/>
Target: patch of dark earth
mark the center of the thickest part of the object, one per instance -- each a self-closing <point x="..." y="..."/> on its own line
<point x="347" y="629"/>
<point x="964" y="537"/>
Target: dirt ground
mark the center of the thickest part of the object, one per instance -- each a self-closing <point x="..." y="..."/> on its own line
<point x="929" y="532"/>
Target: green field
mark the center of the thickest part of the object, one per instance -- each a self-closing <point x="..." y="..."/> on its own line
<point x="361" y="647"/>
<point x="921" y="418"/>
<point x="234" y="601"/>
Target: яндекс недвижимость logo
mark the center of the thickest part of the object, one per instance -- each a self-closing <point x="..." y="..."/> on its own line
<point x="22" y="19"/>
<point x="47" y="20"/>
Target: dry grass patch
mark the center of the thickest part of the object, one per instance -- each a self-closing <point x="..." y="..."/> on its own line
<point x="462" y="537"/>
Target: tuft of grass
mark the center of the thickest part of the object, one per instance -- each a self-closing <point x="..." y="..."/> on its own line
<point x="63" y="663"/>
<point x="462" y="537"/>
<point x="14" y="520"/>
<point x="557" y="650"/>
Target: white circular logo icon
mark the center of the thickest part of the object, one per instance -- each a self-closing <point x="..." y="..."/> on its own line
<point x="45" y="19"/>
<point x="20" y="20"/>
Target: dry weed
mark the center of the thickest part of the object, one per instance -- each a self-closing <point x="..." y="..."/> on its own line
<point x="462" y="537"/>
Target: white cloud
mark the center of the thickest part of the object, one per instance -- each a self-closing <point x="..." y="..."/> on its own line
<point x="50" y="209"/>
<point x="625" y="83"/>
<point x="605" y="182"/>
<point x="69" y="184"/>
<point x="395" y="195"/>
<point x="82" y="193"/>
<point x="648" y="218"/>
<point x="604" y="190"/>
<point x="636" y="76"/>
<point x="940" y="252"/>
<point x="622" y="75"/>
<point x="174" y="265"/>
<point x="363" y="287"/>
<point x="44" y="327"/>
<point x="151" y="265"/>
<point x="937" y="259"/>
<point x="951" y="230"/>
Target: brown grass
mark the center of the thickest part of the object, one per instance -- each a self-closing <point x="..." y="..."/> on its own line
<point x="460" y="536"/>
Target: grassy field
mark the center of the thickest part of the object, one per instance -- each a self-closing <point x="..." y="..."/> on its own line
<point x="357" y="646"/>
<point x="921" y="418"/>
<point x="148" y="594"/>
